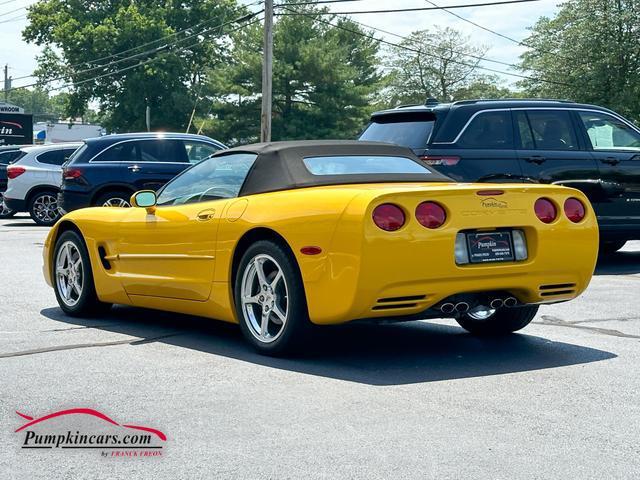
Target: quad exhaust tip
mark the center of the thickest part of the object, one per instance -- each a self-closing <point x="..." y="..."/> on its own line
<point x="447" y="307"/>
<point x="462" y="307"/>
<point x="510" y="302"/>
<point x="496" y="303"/>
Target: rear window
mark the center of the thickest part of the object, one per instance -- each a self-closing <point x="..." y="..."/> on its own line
<point x="362" y="164"/>
<point x="11" y="156"/>
<point x="407" y="130"/>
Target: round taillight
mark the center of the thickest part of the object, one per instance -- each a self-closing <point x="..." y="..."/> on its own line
<point x="545" y="210"/>
<point x="430" y="214"/>
<point x="388" y="217"/>
<point x="574" y="209"/>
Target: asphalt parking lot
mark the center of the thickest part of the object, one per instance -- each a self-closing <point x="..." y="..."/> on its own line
<point x="415" y="400"/>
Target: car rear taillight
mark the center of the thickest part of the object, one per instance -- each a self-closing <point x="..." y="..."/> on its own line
<point x="388" y="217"/>
<point x="430" y="214"/>
<point x="545" y="210"/>
<point x="71" y="173"/>
<point x="435" y="160"/>
<point x="574" y="209"/>
<point x="15" y="171"/>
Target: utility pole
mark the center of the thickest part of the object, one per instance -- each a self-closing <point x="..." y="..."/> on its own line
<point x="267" y="73"/>
<point x="7" y="83"/>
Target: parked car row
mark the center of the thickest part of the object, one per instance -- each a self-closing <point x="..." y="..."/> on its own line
<point x="47" y="181"/>
<point x="586" y="147"/>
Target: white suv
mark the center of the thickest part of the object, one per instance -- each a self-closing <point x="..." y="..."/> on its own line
<point x="34" y="181"/>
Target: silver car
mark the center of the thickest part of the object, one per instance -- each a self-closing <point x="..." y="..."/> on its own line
<point x="33" y="181"/>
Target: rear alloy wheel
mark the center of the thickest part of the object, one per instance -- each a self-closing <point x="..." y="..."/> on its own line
<point x="609" y="247"/>
<point x="5" y="212"/>
<point x="114" y="199"/>
<point x="270" y="299"/>
<point x="73" y="277"/>
<point x="501" y="321"/>
<point x="43" y="208"/>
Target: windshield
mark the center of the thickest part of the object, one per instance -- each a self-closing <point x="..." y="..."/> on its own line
<point x="411" y="131"/>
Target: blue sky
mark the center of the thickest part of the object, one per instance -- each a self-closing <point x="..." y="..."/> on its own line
<point x="511" y="20"/>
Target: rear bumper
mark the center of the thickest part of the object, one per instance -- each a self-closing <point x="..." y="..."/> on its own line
<point x="69" y="201"/>
<point x="15" y="204"/>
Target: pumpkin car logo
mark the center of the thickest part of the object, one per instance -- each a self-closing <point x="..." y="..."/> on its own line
<point x="493" y="203"/>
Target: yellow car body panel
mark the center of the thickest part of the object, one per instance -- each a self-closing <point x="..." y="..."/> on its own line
<point x="180" y="258"/>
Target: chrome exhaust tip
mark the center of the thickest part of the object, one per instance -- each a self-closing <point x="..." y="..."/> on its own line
<point x="447" y="307"/>
<point x="462" y="307"/>
<point x="496" y="303"/>
<point x="510" y="302"/>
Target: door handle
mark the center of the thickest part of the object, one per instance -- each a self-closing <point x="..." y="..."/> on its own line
<point x="611" y="160"/>
<point x="205" y="215"/>
<point x="537" y="159"/>
<point x="134" y="168"/>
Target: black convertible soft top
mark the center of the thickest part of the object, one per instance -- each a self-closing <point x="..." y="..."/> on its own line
<point x="280" y="166"/>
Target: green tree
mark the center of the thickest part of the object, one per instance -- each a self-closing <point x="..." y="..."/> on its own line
<point x="441" y="63"/>
<point x="589" y="53"/>
<point x="79" y="35"/>
<point x="38" y="102"/>
<point x="324" y="78"/>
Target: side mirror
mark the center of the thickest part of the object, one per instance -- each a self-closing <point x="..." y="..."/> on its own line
<point x="144" y="199"/>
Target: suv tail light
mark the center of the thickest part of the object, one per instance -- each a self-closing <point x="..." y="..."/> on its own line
<point x="545" y="210"/>
<point x="435" y="160"/>
<point x="430" y="214"/>
<point x="71" y="173"/>
<point x="15" y="171"/>
<point x="574" y="209"/>
<point x="388" y="217"/>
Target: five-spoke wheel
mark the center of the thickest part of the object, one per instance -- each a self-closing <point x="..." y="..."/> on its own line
<point x="69" y="273"/>
<point x="270" y="299"/>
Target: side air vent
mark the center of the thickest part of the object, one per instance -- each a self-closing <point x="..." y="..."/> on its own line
<point x="402" y="299"/>
<point x="103" y="258"/>
<point x="395" y="306"/>
<point x="395" y="303"/>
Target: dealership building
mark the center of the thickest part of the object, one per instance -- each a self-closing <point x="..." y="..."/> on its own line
<point x="16" y="127"/>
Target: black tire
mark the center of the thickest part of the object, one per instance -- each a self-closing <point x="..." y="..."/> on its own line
<point x="5" y="212"/>
<point x="290" y="335"/>
<point x="112" y="196"/>
<point x="611" y="246"/>
<point x="43" y="208"/>
<point x="87" y="303"/>
<point x="502" y="322"/>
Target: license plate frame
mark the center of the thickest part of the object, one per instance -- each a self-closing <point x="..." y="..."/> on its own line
<point x="490" y="247"/>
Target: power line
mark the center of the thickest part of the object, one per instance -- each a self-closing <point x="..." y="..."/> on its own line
<point x="418" y="9"/>
<point x="421" y="52"/>
<point x="12" y="11"/>
<point x="124" y="69"/>
<point x="9" y="20"/>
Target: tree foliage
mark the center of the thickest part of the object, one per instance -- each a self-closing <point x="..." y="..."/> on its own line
<point x="324" y="78"/>
<point x="441" y="63"/>
<point x="589" y="53"/>
<point x="83" y="39"/>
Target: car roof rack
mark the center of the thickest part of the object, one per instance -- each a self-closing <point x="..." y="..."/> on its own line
<point x="523" y="100"/>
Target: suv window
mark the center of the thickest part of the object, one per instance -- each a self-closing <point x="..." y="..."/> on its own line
<point x="198" y="151"/>
<point x="409" y="130"/>
<point x="121" y="152"/>
<point x="548" y="130"/>
<point x="52" y="157"/>
<point x="488" y="130"/>
<point x="9" y="157"/>
<point x="609" y="133"/>
<point x="163" y="151"/>
<point x="217" y="177"/>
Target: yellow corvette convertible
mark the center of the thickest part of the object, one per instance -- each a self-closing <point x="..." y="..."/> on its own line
<point x="280" y="236"/>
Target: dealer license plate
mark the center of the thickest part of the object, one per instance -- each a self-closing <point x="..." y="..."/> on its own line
<point x="485" y="247"/>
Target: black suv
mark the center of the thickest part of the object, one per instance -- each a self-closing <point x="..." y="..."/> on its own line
<point x="8" y="154"/>
<point x="106" y="171"/>
<point x="543" y="141"/>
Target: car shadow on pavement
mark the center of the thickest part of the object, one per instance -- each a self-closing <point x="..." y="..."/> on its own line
<point x="619" y="263"/>
<point x="387" y="354"/>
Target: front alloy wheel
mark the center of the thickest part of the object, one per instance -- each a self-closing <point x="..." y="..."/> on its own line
<point x="69" y="273"/>
<point x="270" y="300"/>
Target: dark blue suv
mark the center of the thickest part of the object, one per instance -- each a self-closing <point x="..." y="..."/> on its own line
<point x="106" y="171"/>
